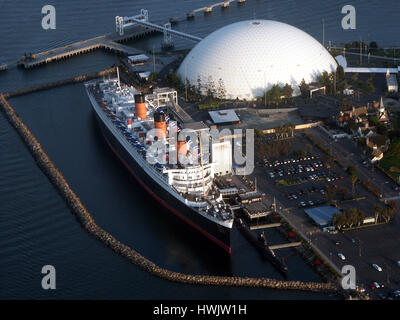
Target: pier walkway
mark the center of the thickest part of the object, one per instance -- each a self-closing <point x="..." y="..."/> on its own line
<point x="108" y="42"/>
<point x="285" y="245"/>
<point x="265" y="226"/>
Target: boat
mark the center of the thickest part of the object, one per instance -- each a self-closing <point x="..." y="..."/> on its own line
<point x="126" y="117"/>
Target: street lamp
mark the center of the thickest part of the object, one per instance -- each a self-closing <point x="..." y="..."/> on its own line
<point x="382" y="187"/>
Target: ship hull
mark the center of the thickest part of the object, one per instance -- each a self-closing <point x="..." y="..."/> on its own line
<point x="219" y="234"/>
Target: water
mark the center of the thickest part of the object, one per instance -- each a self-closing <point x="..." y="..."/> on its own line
<point x="36" y="226"/>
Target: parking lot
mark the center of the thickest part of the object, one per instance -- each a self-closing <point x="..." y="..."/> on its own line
<point x="299" y="182"/>
<point x="303" y="180"/>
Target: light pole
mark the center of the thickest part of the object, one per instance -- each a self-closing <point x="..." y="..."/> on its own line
<point x="265" y="91"/>
<point x="154" y="61"/>
<point x="382" y="187"/>
<point x="186" y="83"/>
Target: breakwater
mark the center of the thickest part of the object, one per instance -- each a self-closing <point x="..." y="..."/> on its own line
<point x="89" y="224"/>
<point x="54" y="84"/>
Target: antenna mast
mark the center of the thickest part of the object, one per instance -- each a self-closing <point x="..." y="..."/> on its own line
<point x="202" y="168"/>
<point x="119" y="82"/>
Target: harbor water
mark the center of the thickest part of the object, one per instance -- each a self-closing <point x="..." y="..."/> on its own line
<point x="36" y="226"/>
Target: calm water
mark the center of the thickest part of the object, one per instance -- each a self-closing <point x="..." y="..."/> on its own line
<point x="36" y="226"/>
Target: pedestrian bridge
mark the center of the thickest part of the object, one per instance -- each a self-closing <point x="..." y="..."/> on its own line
<point x="142" y="19"/>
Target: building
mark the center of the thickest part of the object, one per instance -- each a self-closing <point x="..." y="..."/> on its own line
<point x="246" y="58"/>
<point x="322" y="216"/>
<point x="221" y="155"/>
<point x="381" y="113"/>
<point x="391" y="82"/>
<point x="224" y="116"/>
<point x="377" y="144"/>
<point x="359" y="115"/>
<point x="138" y="59"/>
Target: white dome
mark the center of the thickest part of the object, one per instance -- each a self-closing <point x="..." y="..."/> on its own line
<point x="251" y="55"/>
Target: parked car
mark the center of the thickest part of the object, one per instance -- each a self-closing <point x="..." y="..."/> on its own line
<point x="376" y="267"/>
<point x="396" y="293"/>
<point x="341" y="256"/>
<point x="375" y="285"/>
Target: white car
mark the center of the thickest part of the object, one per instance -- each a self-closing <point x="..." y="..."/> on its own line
<point x="376" y="267"/>
<point x="341" y="256"/>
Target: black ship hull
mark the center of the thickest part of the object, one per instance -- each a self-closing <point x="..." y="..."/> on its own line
<point x="219" y="234"/>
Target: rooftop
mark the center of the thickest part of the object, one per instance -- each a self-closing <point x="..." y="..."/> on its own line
<point x="224" y="116"/>
<point x="322" y="215"/>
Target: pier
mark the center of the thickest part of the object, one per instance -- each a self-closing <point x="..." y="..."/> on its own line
<point x="54" y="84"/>
<point x="209" y="9"/>
<point x="285" y="245"/>
<point x="109" y="42"/>
<point x="265" y="226"/>
<point x="127" y="28"/>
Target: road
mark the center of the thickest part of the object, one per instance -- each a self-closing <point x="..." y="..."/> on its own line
<point x="350" y="154"/>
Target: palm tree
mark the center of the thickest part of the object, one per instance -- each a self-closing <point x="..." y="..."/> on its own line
<point x="354" y="179"/>
<point x="377" y="213"/>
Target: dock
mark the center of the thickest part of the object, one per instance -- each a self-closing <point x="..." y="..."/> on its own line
<point x="109" y="42"/>
<point x="285" y="245"/>
<point x="208" y="9"/>
<point x="265" y="226"/>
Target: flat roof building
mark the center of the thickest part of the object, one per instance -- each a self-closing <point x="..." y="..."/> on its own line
<point x="228" y="116"/>
<point x="138" y="59"/>
<point x="322" y="216"/>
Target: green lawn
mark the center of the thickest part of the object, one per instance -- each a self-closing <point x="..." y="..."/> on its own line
<point x="391" y="159"/>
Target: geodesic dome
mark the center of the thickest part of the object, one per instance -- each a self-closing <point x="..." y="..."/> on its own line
<point x="247" y="57"/>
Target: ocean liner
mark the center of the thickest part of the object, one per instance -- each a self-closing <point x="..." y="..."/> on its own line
<point x="125" y="117"/>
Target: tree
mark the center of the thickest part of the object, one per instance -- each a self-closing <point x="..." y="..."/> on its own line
<point x="274" y="94"/>
<point x="287" y="91"/>
<point x="387" y="213"/>
<point x="210" y="87"/>
<point x="354" y="179"/>
<point x="343" y="191"/>
<point x="330" y="194"/>
<point x="258" y="133"/>
<point x="360" y="217"/>
<point x="329" y="163"/>
<point x="354" y="78"/>
<point x="221" y="91"/>
<point x="199" y="87"/>
<point x="373" y="45"/>
<point x="304" y="88"/>
<point x="339" y="220"/>
<point x="153" y="77"/>
<point x="351" y="170"/>
<point x="340" y="73"/>
<point x="173" y="80"/>
<point x="377" y="213"/>
<point x="352" y="217"/>
<point x="326" y="79"/>
<point x="369" y="87"/>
